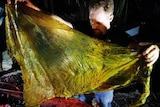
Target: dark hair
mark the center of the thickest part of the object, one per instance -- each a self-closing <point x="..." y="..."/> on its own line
<point x="108" y="5"/>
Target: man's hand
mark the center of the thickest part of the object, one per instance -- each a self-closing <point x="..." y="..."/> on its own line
<point x="151" y="54"/>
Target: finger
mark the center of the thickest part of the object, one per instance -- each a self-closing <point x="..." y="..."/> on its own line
<point x="149" y="50"/>
<point x="151" y="63"/>
<point x="150" y="54"/>
<point x="8" y="1"/>
<point x="18" y="1"/>
<point x="11" y="1"/>
<point x="15" y="1"/>
<point x="151" y="58"/>
<point x="139" y="55"/>
<point x="144" y="43"/>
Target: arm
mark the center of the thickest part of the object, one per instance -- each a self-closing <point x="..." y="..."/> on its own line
<point x="27" y="3"/>
<point x="31" y="5"/>
<point x="15" y="1"/>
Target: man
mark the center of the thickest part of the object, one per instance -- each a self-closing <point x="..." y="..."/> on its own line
<point x="100" y="17"/>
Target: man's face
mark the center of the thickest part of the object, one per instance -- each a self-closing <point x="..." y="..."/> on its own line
<point x="100" y="21"/>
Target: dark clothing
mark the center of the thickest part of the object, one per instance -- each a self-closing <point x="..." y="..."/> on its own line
<point x="150" y="31"/>
<point x="114" y="35"/>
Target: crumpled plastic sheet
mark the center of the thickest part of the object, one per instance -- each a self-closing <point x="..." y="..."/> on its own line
<point x="58" y="61"/>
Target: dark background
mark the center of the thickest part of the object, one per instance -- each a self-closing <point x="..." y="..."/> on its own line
<point x="127" y="12"/>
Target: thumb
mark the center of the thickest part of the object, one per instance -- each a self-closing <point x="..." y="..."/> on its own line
<point x="144" y="43"/>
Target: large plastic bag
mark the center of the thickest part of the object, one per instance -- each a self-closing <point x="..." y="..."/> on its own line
<point x="58" y="61"/>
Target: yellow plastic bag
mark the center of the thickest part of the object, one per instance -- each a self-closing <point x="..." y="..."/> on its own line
<point x="58" y="61"/>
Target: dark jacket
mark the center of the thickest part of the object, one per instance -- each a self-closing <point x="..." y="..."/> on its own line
<point x="114" y="34"/>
